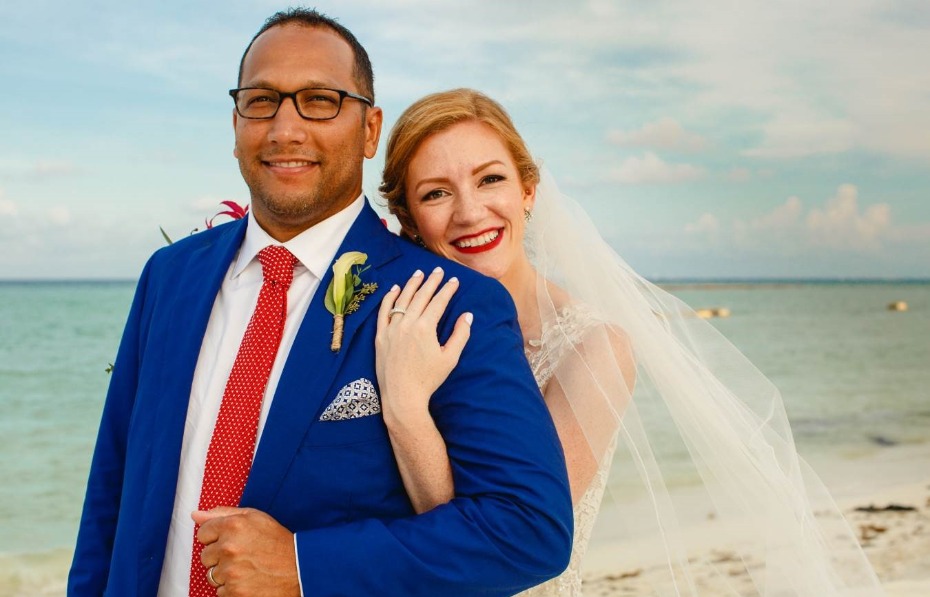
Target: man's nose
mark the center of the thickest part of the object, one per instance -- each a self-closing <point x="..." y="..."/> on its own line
<point x="288" y="126"/>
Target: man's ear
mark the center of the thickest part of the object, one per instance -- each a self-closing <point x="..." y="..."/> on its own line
<point x="373" y="120"/>
<point x="235" y="145"/>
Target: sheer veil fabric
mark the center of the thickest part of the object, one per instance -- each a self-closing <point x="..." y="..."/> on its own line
<point x="696" y="400"/>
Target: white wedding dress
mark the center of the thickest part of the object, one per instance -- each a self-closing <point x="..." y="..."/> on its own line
<point x="545" y="356"/>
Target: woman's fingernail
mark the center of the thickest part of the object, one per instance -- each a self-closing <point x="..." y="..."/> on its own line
<point x="395" y="288"/>
<point x="438" y="270"/>
<point x="453" y="279"/>
<point x="417" y="273"/>
<point x="469" y="318"/>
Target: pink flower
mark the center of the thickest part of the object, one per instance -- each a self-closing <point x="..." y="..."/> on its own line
<point x="234" y="211"/>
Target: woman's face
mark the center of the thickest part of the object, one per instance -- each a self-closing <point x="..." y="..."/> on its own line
<point x="467" y="199"/>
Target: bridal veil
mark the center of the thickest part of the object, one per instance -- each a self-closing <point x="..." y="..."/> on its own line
<point x="699" y="410"/>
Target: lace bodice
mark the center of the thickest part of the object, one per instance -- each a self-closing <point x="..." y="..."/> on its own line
<point x="545" y="355"/>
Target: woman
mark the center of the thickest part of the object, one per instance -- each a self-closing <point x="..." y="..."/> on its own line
<point x="461" y="182"/>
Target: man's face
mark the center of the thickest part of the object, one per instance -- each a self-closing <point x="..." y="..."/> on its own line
<point x="301" y="171"/>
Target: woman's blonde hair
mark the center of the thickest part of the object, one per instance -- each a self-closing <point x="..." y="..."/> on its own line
<point x="435" y="113"/>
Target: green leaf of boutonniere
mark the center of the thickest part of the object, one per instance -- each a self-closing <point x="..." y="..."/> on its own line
<point x="346" y="291"/>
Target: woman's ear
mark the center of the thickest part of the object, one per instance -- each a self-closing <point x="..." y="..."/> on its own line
<point x="529" y="196"/>
<point x="411" y="234"/>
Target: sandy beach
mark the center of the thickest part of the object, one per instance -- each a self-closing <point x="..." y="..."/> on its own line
<point x="886" y="508"/>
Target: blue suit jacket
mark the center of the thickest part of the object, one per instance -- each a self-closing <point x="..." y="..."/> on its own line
<point x="334" y="483"/>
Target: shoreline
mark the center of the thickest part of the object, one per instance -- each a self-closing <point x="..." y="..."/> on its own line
<point x="896" y="541"/>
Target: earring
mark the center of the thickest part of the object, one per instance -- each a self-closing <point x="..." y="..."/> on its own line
<point x="419" y="240"/>
<point x="527" y="214"/>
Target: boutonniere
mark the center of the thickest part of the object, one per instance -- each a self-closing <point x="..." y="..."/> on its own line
<point x="346" y="291"/>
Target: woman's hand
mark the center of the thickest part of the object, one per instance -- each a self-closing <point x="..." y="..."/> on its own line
<point x="410" y="362"/>
<point x="411" y="365"/>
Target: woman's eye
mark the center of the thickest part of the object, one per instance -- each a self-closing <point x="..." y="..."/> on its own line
<point x="434" y="194"/>
<point x="492" y="178"/>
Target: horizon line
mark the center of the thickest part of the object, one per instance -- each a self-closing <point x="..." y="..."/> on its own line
<point x="653" y="279"/>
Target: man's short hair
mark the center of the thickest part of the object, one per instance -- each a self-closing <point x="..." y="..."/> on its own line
<point x="308" y="17"/>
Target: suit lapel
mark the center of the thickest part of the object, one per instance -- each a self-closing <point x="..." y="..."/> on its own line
<point x="311" y="366"/>
<point x="198" y="284"/>
<point x="188" y="303"/>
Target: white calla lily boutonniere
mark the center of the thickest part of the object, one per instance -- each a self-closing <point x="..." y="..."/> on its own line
<point x="346" y="291"/>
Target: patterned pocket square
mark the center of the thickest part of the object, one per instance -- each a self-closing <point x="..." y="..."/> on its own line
<point x="356" y="399"/>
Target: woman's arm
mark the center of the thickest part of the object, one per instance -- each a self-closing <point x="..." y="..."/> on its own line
<point x="586" y="397"/>
<point x="411" y="365"/>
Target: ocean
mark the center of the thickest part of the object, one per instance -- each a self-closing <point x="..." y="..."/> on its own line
<point x="854" y="376"/>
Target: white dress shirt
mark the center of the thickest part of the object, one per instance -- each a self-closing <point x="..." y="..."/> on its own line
<point x="315" y="249"/>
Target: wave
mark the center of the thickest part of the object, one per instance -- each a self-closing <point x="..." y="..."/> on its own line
<point x="37" y="574"/>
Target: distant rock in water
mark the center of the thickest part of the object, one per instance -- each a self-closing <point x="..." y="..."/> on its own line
<point x="881" y="440"/>
<point x="712" y="312"/>
<point x="897" y="306"/>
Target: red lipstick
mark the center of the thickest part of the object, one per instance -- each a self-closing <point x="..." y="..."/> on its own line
<point x="479" y="248"/>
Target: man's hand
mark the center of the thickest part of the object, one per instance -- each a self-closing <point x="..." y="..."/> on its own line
<point x="252" y="554"/>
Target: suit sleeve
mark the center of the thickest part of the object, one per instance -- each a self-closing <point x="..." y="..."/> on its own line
<point x="91" y="563"/>
<point x="510" y="524"/>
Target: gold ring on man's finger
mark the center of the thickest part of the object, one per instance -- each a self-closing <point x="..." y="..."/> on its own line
<point x="210" y="578"/>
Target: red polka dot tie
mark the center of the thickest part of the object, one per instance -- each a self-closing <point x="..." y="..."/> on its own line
<point x="229" y="457"/>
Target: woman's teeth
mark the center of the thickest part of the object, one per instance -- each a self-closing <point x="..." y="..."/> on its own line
<point x="477" y="241"/>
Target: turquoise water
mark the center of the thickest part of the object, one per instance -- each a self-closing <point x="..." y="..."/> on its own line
<point x="854" y="376"/>
<point x="56" y="340"/>
<point x="852" y="372"/>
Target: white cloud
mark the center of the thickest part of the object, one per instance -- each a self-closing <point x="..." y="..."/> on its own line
<point x="840" y="225"/>
<point x="789" y="136"/>
<point x="652" y="169"/>
<point x="767" y="78"/>
<point x="59" y="215"/>
<point x="783" y="216"/>
<point x="829" y="89"/>
<point x="206" y="205"/>
<point x="739" y="175"/>
<point x="37" y="170"/>
<point x="665" y="133"/>
<point x="707" y="227"/>
<point x="8" y="207"/>
<point x="781" y="225"/>
<point x="913" y="234"/>
<point x="46" y="168"/>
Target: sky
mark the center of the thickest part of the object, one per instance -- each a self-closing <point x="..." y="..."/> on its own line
<point x="707" y="139"/>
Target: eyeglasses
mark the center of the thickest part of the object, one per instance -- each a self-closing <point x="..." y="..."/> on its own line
<point x="314" y="103"/>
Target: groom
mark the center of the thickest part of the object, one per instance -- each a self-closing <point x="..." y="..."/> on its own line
<point x="322" y="508"/>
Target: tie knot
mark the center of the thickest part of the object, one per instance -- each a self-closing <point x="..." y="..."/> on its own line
<point x="277" y="265"/>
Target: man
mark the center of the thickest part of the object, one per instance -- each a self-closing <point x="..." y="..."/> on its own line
<point x="322" y="508"/>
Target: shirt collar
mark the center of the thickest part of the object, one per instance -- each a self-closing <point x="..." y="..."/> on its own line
<point x="314" y="248"/>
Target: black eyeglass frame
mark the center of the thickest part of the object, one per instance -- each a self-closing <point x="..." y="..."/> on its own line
<point x="343" y="94"/>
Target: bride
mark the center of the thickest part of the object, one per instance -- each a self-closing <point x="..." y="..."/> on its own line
<point x="463" y="184"/>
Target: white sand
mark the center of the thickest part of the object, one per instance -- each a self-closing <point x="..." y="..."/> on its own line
<point x="897" y="543"/>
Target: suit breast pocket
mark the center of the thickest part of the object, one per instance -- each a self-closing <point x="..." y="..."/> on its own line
<point x="347" y="432"/>
<point x="345" y="470"/>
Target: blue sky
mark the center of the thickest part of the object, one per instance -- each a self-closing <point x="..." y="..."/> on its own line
<point x="707" y="139"/>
